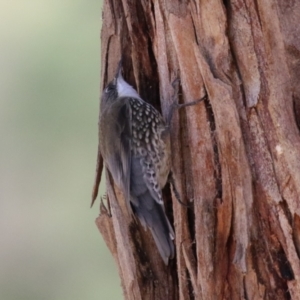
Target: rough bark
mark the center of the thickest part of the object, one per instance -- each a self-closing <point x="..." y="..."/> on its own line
<point x="236" y="157"/>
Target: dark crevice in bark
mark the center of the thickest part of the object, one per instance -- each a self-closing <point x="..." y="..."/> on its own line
<point x="152" y="84"/>
<point x="140" y="39"/>
<point x="189" y="286"/>
<point x="296" y="234"/>
<point x="167" y="196"/>
<point x="127" y="68"/>
<point x="296" y="110"/>
<point x="285" y="268"/>
<point x="217" y="164"/>
<point x="226" y="4"/>
<point x="148" y="16"/>
<point x="192" y="229"/>
<point x="174" y="276"/>
<point x="138" y="245"/>
<point x="283" y="204"/>
<point x="288" y="295"/>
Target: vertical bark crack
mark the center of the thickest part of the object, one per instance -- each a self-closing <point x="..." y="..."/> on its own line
<point x="217" y="170"/>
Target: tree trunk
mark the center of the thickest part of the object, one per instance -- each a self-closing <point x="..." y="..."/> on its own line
<point x="236" y="156"/>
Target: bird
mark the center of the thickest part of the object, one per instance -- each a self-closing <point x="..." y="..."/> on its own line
<point x="136" y="149"/>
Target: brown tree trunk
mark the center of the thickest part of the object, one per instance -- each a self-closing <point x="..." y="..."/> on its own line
<point x="236" y="157"/>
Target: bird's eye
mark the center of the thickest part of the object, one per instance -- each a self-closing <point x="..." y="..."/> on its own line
<point x="108" y="89"/>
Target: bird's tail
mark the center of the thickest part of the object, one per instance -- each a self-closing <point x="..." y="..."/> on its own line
<point x="152" y="215"/>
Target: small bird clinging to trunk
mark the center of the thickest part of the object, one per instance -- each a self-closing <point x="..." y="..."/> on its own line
<point x="135" y="146"/>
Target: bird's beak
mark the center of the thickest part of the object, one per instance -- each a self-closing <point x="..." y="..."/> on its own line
<point x="119" y="69"/>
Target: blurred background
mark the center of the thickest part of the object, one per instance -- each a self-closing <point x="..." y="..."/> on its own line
<point x="50" y="247"/>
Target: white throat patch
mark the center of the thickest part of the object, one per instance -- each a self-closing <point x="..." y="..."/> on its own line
<point x="126" y="90"/>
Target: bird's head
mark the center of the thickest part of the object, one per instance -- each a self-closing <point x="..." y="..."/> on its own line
<point x="118" y="88"/>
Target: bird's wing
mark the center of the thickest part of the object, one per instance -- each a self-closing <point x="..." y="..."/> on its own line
<point x="117" y="145"/>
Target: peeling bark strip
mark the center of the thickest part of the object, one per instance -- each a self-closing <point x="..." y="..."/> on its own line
<point x="236" y="157"/>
